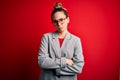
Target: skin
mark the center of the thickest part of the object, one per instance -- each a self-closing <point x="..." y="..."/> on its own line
<point x="62" y="29"/>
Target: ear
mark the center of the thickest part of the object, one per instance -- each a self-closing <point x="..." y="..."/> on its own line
<point x="68" y="19"/>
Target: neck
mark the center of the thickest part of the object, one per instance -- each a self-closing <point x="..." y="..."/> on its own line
<point x="62" y="34"/>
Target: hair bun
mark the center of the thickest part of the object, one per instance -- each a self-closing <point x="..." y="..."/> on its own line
<point x="58" y="5"/>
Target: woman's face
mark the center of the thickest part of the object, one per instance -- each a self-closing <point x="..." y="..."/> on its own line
<point x="60" y="21"/>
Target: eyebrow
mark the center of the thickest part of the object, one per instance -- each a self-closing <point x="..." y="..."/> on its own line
<point x="59" y="19"/>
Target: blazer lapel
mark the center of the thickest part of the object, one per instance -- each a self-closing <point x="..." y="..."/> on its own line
<point x="56" y="45"/>
<point x="66" y="40"/>
<point x="65" y="44"/>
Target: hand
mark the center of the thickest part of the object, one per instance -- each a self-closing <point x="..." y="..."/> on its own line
<point x="69" y="62"/>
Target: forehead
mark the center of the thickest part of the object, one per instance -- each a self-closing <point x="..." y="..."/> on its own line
<point x="58" y="15"/>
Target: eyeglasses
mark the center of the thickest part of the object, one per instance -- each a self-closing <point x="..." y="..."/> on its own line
<point x="61" y="20"/>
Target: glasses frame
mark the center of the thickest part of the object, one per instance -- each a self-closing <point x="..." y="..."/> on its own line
<point x="61" y="21"/>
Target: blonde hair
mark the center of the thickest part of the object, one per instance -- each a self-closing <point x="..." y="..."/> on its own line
<point x="59" y="8"/>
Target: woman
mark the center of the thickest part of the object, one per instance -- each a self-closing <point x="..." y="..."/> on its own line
<point x="60" y="55"/>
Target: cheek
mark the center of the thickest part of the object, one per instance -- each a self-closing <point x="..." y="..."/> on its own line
<point x="66" y="24"/>
<point x="68" y="20"/>
<point x="56" y="26"/>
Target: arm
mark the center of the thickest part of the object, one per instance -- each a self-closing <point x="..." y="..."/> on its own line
<point x="44" y="60"/>
<point x="78" y="60"/>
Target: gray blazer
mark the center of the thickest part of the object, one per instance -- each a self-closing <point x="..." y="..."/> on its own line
<point x="51" y="57"/>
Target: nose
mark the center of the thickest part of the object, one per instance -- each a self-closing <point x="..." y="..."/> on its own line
<point x="58" y="23"/>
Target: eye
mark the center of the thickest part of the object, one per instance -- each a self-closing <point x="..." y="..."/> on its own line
<point x="55" y="21"/>
<point x="61" y="19"/>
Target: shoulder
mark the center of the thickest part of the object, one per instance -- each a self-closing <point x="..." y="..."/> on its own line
<point x="74" y="37"/>
<point x="76" y="40"/>
<point x="48" y="34"/>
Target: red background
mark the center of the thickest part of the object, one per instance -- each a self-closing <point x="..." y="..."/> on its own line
<point x="24" y="21"/>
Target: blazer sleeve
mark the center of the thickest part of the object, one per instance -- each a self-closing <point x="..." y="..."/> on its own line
<point x="44" y="60"/>
<point x="78" y="61"/>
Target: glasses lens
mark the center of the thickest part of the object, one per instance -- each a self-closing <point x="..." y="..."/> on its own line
<point x="55" y="21"/>
<point x="60" y="20"/>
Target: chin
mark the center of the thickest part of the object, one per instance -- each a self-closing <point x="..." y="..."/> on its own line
<point x="61" y="30"/>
